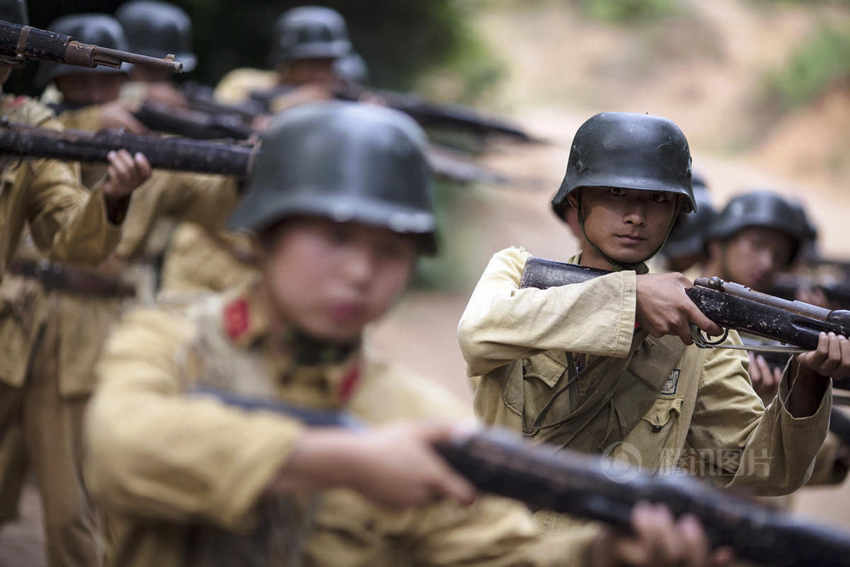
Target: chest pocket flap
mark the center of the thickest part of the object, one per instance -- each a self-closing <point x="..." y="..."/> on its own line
<point x="662" y="411"/>
<point x="544" y="367"/>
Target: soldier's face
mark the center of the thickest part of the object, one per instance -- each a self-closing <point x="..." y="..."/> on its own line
<point x="331" y="279"/>
<point x="628" y="226"/>
<point x="310" y="72"/>
<point x="90" y="88"/>
<point x="754" y="256"/>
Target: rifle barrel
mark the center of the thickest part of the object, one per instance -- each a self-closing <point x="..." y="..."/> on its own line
<point x="26" y="42"/>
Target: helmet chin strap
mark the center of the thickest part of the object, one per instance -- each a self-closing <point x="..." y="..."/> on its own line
<point x="616" y="264"/>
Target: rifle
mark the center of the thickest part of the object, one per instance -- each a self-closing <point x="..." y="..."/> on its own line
<point x="425" y="112"/>
<point x="68" y="279"/>
<point x="596" y="488"/>
<point x="23" y="43"/>
<point x="179" y="154"/>
<point x="196" y="124"/>
<point x="202" y="97"/>
<point x="730" y="305"/>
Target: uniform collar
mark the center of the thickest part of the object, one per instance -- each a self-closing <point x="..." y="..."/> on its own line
<point x="318" y="374"/>
<point x="639" y="268"/>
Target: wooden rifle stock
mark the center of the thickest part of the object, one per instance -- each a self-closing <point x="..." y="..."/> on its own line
<point x="178" y="154"/>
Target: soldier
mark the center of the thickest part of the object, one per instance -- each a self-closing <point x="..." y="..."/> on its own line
<point x="309" y="42"/>
<point x="157" y="29"/>
<point x="603" y="366"/>
<point x="340" y="203"/>
<point x="68" y="223"/>
<point x="66" y="329"/>
<point x="758" y="235"/>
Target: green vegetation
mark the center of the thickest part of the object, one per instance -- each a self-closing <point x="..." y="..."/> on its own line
<point x="628" y="10"/>
<point x="819" y="63"/>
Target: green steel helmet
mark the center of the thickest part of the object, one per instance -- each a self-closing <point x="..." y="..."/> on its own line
<point x="100" y="29"/>
<point x="628" y="151"/>
<point x="14" y="12"/>
<point x="310" y="32"/>
<point x="352" y="69"/>
<point x="344" y="161"/>
<point x="158" y="29"/>
<point x="688" y="237"/>
<point x="764" y="209"/>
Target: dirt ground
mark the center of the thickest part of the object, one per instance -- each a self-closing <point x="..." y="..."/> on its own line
<point x="701" y="70"/>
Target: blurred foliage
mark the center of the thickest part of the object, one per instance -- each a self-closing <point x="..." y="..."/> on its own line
<point x="628" y="10"/>
<point x="400" y="39"/>
<point x="449" y="270"/>
<point x="819" y="63"/>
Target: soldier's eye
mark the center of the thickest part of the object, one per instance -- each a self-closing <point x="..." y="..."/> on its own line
<point x="661" y="197"/>
<point x="616" y="192"/>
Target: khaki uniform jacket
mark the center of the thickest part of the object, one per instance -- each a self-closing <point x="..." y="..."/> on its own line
<point x="65" y="221"/>
<point x="84" y="322"/>
<point x="162" y="462"/>
<point x="520" y="346"/>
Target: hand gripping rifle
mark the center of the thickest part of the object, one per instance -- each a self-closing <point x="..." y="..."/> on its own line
<point x="730" y="305"/>
<point x="180" y="154"/>
<point x="596" y="488"/>
<point x="22" y="43"/>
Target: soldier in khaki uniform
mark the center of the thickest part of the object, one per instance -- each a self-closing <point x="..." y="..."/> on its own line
<point x="311" y="40"/>
<point x="340" y="202"/>
<point x="756" y="236"/>
<point x="603" y="366"/>
<point x="156" y="29"/>
<point x="74" y="323"/>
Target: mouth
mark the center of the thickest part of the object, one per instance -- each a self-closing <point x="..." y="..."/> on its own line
<point x="348" y="311"/>
<point x="629" y="238"/>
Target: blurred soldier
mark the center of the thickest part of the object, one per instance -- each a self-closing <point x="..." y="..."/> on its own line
<point x="157" y="29"/>
<point x="601" y="366"/>
<point x="68" y="223"/>
<point x="758" y="235"/>
<point x="59" y="358"/>
<point x="311" y="43"/>
<point x="340" y="203"/>
<point x="685" y="250"/>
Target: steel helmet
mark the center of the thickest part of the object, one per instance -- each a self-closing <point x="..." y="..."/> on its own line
<point x="310" y="32"/>
<point x="345" y="161"/>
<point x="628" y="151"/>
<point x="765" y="209"/>
<point x="158" y="29"/>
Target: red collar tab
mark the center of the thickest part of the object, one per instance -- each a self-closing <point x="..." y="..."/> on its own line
<point x="349" y="383"/>
<point x="236" y="318"/>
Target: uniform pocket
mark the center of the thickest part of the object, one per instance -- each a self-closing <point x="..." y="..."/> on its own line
<point x="13" y="345"/>
<point x="663" y="412"/>
<point x="534" y="387"/>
